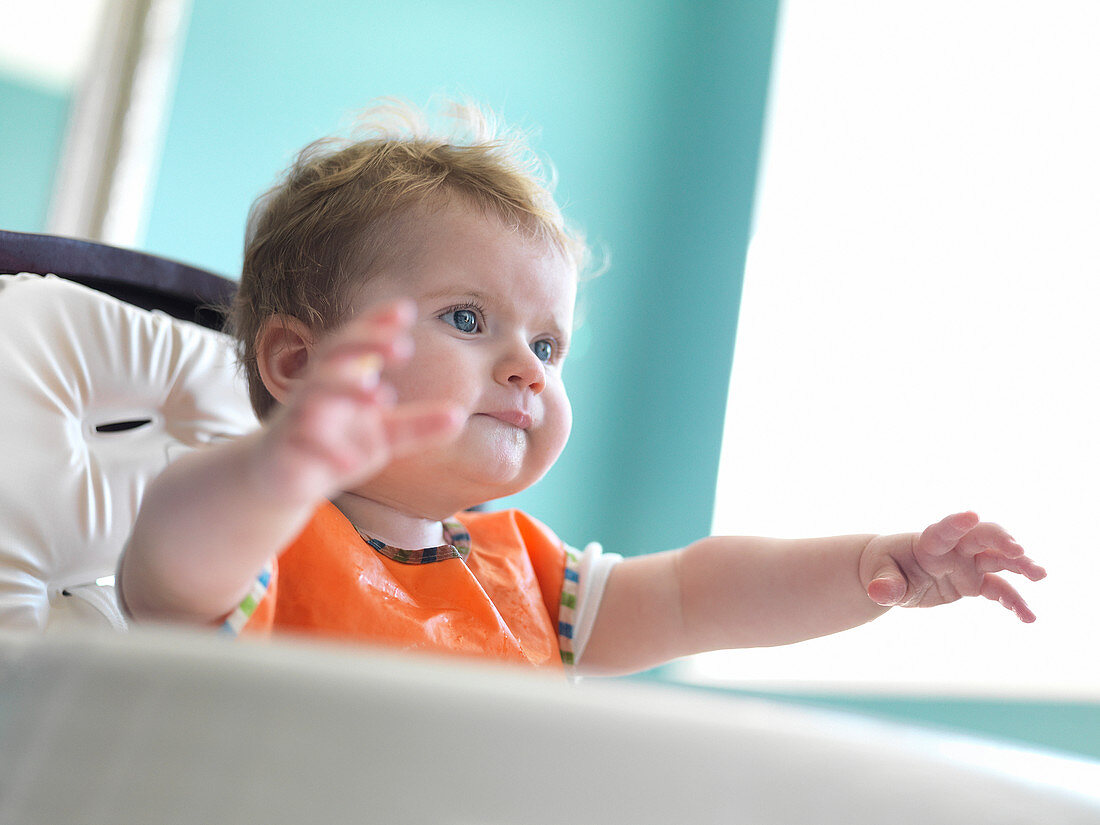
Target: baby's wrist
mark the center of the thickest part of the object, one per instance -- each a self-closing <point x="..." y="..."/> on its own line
<point x="270" y="471"/>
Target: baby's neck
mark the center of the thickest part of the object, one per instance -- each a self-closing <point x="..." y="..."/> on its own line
<point x="389" y="524"/>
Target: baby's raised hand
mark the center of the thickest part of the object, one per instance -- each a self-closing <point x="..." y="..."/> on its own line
<point x="959" y="556"/>
<point x="342" y="423"/>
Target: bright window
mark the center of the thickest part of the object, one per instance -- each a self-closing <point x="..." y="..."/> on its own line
<point x="920" y="327"/>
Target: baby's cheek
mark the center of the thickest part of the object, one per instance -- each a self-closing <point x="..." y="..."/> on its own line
<point x="425" y="381"/>
<point x="562" y="416"/>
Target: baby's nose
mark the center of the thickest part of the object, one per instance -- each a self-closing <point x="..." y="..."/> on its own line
<point x="521" y="368"/>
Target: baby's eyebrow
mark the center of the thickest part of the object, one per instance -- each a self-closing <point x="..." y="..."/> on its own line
<point x="456" y="292"/>
<point x="559" y="332"/>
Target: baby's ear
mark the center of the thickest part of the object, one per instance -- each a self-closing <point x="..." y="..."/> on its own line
<point x="284" y="346"/>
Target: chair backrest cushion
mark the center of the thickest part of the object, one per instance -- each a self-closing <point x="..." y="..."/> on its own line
<point x="96" y="397"/>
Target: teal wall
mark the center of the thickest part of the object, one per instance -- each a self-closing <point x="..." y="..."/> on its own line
<point x="652" y="113"/>
<point x="32" y="128"/>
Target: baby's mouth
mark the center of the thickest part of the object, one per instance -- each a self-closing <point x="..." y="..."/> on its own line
<point x="516" y="418"/>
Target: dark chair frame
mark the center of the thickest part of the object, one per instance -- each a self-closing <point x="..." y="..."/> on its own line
<point x="139" y="278"/>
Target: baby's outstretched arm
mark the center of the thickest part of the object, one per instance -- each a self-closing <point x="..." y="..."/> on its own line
<point x="213" y="518"/>
<point x="731" y="592"/>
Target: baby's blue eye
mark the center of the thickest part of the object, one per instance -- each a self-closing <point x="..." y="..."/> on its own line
<point x="464" y="320"/>
<point x="543" y="349"/>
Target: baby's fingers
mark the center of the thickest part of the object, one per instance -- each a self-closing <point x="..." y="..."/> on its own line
<point x="942" y="537"/>
<point x="381" y="330"/>
<point x="384" y="319"/>
<point x="998" y="590"/>
<point x="358" y="377"/>
<point x="990" y="562"/>
<point x="989" y="537"/>
<point x="414" y="427"/>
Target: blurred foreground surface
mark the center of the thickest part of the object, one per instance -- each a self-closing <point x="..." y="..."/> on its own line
<point x="173" y="726"/>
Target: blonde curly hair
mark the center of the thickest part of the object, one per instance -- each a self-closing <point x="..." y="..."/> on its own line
<point x="342" y="210"/>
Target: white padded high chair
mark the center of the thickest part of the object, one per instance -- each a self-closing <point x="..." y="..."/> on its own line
<point x="98" y="394"/>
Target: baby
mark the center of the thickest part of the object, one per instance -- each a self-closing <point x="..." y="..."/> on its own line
<point x="404" y="316"/>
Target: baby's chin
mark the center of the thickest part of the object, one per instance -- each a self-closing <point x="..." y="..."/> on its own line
<point x="483" y="464"/>
<point x="490" y="484"/>
<point x="459" y="489"/>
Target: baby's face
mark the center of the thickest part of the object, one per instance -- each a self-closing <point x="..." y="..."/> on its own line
<point x="494" y="316"/>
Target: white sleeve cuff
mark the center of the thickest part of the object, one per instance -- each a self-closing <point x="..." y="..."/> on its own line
<point x="585" y="577"/>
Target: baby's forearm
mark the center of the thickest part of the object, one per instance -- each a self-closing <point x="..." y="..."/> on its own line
<point x="754" y="592"/>
<point x="206" y="527"/>
<point x="727" y="592"/>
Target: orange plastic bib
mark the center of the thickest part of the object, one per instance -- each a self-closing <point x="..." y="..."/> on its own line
<point x="501" y="603"/>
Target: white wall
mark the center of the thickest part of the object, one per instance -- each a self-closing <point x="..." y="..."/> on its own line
<point x="919" y="326"/>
